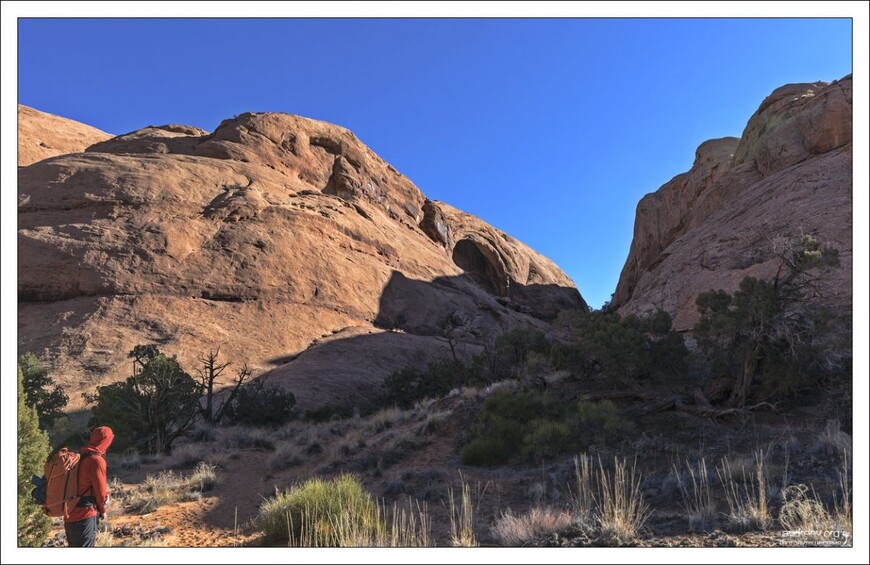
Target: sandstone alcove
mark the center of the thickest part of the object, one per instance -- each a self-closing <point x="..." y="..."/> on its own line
<point x="481" y="264"/>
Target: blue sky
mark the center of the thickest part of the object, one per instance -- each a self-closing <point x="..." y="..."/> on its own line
<point x="551" y="130"/>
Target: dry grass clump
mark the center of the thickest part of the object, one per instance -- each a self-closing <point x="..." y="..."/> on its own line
<point x="241" y="437"/>
<point x="748" y="506"/>
<point x="168" y="487"/>
<point x="187" y="455"/>
<point x="621" y="511"/>
<point x="386" y="419"/>
<point x="513" y="530"/>
<point x="695" y="491"/>
<point x="462" y="516"/>
<point x="287" y="454"/>
<point x="130" y="460"/>
<point x="609" y="502"/>
<point x="804" y="514"/>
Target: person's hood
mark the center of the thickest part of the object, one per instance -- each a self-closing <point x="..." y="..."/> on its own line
<point x="100" y="440"/>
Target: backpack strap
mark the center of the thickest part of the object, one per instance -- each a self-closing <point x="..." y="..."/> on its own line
<point x="85" y="500"/>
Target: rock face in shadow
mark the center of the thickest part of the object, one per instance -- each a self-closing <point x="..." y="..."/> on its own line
<point x="789" y="174"/>
<point x="263" y="237"/>
<point x="42" y="135"/>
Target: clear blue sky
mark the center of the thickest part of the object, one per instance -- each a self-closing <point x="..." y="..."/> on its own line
<point x="551" y="130"/>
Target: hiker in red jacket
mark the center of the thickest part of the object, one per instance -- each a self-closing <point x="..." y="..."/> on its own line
<point x="81" y="524"/>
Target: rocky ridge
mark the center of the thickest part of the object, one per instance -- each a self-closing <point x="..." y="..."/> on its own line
<point x="279" y="239"/>
<point x="789" y="174"/>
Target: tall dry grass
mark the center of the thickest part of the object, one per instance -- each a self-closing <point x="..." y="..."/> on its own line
<point x="695" y="492"/>
<point x="462" y="516"/>
<point x="621" y="510"/>
<point x="609" y="502"/>
<point x="747" y="498"/>
<point x="583" y="500"/>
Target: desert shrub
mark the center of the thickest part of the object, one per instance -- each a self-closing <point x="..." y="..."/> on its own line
<point x="515" y="530"/>
<point x="42" y="394"/>
<point x="286" y="455"/>
<point x="128" y="460"/>
<point x="767" y="334"/>
<point x="33" y="524"/>
<point x="187" y="455"/>
<point x="204" y="477"/>
<point x="504" y="357"/>
<point x="385" y="419"/>
<point x="327" y="413"/>
<point x="625" y="348"/>
<point x="533" y="425"/>
<point x="150" y="409"/>
<point x="315" y="512"/>
<point x="513" y="348"/>
<point x="247" y="438"/>
<point x="257" y="404"/>
<point x="406" y="386"/>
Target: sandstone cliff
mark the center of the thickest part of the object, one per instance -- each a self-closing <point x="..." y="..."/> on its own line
<point x="283" y="240"/>
<point x="42" y="135"/>
<point x="789" y="174"/>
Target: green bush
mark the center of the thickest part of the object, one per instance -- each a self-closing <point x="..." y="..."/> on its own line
<point x="409" y="385"/>
<point x="33" y="524"/>
<point x="327" y="414"/>
<point x="767" y="335"/>
<point x="257" y="404"/>
<point x="152" y="408"/>
<point x="320" y="513"/>
<point x="630" y="347"/>
<point x="504" y="357"/>
<point x="42" y="394"/>
<point x="488" y="451"/>
<point x="532" y="426"/>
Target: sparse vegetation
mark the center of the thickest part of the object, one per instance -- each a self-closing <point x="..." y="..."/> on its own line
<point x="248" y="438"/>
<point x="168" y="487"/>
<point x="209" y="372"/>
<point x="516" y="530"/>
<point x="287" y="454"/>
<point x="33" y="524"/>
<point x="803" y="511"/>
<point x="48" y="399"/>
<point x="503" y="357"/>
<point x="609" y="503"/>
<point x="258" y="404"/>
<point x="533" y="426"/>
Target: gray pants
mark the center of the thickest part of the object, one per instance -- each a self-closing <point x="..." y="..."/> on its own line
<point x="82" y="533"/>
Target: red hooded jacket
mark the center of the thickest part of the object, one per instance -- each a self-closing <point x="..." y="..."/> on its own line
<point x="92" y="474"/>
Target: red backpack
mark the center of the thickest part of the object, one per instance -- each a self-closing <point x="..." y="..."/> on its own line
<point x="62" y="482"/>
